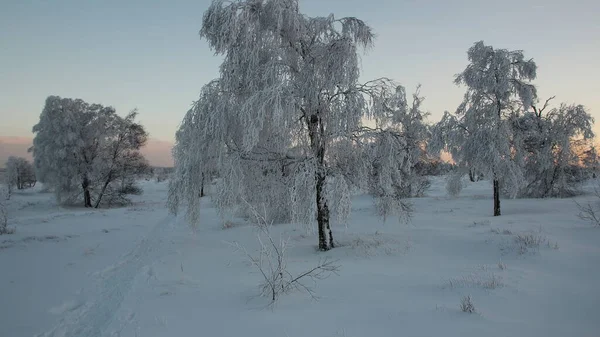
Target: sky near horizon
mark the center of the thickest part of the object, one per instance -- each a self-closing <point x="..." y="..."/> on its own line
<point x="148" y="55"/>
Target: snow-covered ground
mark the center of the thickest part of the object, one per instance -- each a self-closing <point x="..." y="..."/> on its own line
<point x="138" y="271"/>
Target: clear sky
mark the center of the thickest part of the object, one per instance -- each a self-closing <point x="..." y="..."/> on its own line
<point x="147" y="54"/>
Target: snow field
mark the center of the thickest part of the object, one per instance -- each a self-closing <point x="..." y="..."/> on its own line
<point x="138" y="271"/>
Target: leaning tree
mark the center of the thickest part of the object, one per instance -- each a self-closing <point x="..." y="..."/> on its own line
<point x="283" y="122"/>
<point x="479" y="134"/>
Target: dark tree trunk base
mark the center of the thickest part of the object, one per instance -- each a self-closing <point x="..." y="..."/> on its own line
<point x="87" y="198"/>
<point x="496" y="197"/>
<point x="202" y="187"/>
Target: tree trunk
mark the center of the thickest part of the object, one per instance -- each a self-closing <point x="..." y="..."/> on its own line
<point x="316" y="132"/>
<point x="87" y="198"/>
<point x="471" y="175"/>
<point x="108" y="180"/>
<point x="496" y="197"/>
<point x="202" y="186"/>
<point x="325" y="234"/>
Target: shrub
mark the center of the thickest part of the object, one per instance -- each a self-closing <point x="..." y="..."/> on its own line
<point x="466" y="305"/>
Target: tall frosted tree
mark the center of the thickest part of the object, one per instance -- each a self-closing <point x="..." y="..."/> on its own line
<point x="479" y="135"/>
<point x="283" y="122"/>
<point x="86" y="151"/>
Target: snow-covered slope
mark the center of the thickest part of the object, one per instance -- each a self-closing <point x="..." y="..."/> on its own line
<point x="138" y="271"/>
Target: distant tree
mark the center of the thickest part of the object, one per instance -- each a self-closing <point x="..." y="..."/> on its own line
<point x="284" y="119"/>
<point x="411" y="124"/>
<point x="546" y="144"/>
<point x="406" y="125"/>
<point x="479" y="135"/>
<point x="19" y="173"/>
<point x="87" y="151"/>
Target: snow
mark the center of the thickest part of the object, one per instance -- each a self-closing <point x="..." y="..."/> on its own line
<point x="138" y="271"/>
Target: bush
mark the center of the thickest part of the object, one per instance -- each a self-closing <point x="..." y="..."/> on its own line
<point x="590" y="211"/>
<point x="466" y="305"/>
<point x="130" y="189"/>
<point x="454" y="183"/>
<point x="525" y="242"/>
<point x="272" y="264"/>
<point x="4" y="214"/>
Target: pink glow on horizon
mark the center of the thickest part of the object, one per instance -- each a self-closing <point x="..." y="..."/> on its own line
<point x="158" y="152"/>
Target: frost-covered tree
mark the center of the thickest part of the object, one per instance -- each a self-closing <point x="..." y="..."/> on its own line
<point x="121" y="160"/>
<point x="407" y="124"/>
<point x="283" y="122"/>
<point x="193" y="156"/>
<point x="19" y="173"/>
<point x="546" y="144"/>
<point x="479" y="135"/>
<point x="417" y="133"/>
<point x="86" y="151"/>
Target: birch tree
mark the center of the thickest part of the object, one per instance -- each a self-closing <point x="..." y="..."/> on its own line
<point x="281" y="119"/>
<point x="479" y="134"/>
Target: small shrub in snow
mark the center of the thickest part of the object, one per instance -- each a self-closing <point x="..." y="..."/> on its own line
<point x="4" y="222"/>
<point x="466" y="305"/>
<point x="228" y="224"/>
<point x="4" y="214"/>
<point x="272" y="264"/>
<point x="501" y="265"/>
<point x="485" y="281"/>
<point x="369" y="245"/>
<point x="454" y="184"/>
<point x="526" y="242"/>
<point x="553" y="245"/>
<point x="480" y="223"/>
<point x="501" y="231"/>
<point x="590" y="211"/>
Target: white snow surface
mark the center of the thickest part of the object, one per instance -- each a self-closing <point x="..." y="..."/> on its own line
<point x="138" y="271"/>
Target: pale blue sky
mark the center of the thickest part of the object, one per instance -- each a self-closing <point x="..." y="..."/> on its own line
<point x="147" y="54"/>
